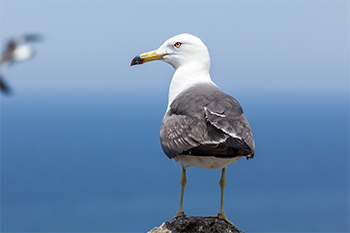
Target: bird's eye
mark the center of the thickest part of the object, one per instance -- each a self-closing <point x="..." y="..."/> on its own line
<point x="177" y="44"/>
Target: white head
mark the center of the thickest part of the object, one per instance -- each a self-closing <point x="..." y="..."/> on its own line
<point x="190" y="58"/>
<point x="180" y="50"/>
<point x="184" y="49"/>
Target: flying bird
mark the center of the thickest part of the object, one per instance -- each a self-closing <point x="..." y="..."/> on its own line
<point x="17" y="49"/>
<point x="202" y="126"/>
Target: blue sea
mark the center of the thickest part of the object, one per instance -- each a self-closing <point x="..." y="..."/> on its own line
<point x="92" y="162"/>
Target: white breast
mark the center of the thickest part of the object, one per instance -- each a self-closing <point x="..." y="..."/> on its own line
<point x="22" y="52"/>
<point x="205" y="162"/>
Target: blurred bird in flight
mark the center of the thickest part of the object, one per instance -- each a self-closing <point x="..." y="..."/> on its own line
<point x="17" y="49"/>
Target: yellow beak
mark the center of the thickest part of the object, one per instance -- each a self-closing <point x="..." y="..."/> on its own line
<point x="146" y="57"/>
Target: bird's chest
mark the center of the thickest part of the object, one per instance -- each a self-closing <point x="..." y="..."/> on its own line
<point x="206" y="162"/>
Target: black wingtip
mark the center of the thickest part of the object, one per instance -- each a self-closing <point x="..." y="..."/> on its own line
<point x="33" y="37"/>
<point x="137" y="61"/>
<point x="4" y="87"/>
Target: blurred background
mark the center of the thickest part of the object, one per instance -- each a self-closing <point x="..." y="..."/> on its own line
<point x="80" y="147"/>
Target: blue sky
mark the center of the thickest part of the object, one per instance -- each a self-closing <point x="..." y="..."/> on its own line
<point x="259" y="45"/>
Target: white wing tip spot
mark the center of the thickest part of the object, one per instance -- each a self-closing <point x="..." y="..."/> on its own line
<point x="217" y="114"/>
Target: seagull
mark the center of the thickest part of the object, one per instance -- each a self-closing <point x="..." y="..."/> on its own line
<point x="202" y="126"/>
<point x="16" y="50"/>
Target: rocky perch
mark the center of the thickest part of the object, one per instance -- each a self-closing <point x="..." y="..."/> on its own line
<point x="188" y="224"/>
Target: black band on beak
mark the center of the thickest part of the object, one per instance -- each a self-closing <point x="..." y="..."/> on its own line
<point x="137" y="61"/>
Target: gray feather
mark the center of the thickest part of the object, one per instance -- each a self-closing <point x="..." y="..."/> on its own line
<point x="205" y="121"/>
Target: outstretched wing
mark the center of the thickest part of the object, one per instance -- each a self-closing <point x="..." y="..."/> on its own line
<point x="27" y="38"/>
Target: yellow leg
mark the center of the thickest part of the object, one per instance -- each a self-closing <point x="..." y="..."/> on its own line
<point x="183" y="182"/>
<point x="222" y="183"/>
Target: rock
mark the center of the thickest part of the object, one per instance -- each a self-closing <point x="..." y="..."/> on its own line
<point x="188" y="224"/>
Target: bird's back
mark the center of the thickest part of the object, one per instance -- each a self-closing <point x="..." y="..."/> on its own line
<point x="204" y="121"/>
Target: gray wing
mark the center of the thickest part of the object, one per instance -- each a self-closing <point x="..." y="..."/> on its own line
<point x="27" y="38"/>
<point x="31" y="37"/>
<point x="227" y="115"/>
<point x="7" y="55"/>
<point x="205" y="121"/>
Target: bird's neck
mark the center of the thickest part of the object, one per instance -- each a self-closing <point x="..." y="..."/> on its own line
<point x="186" y="77"/>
